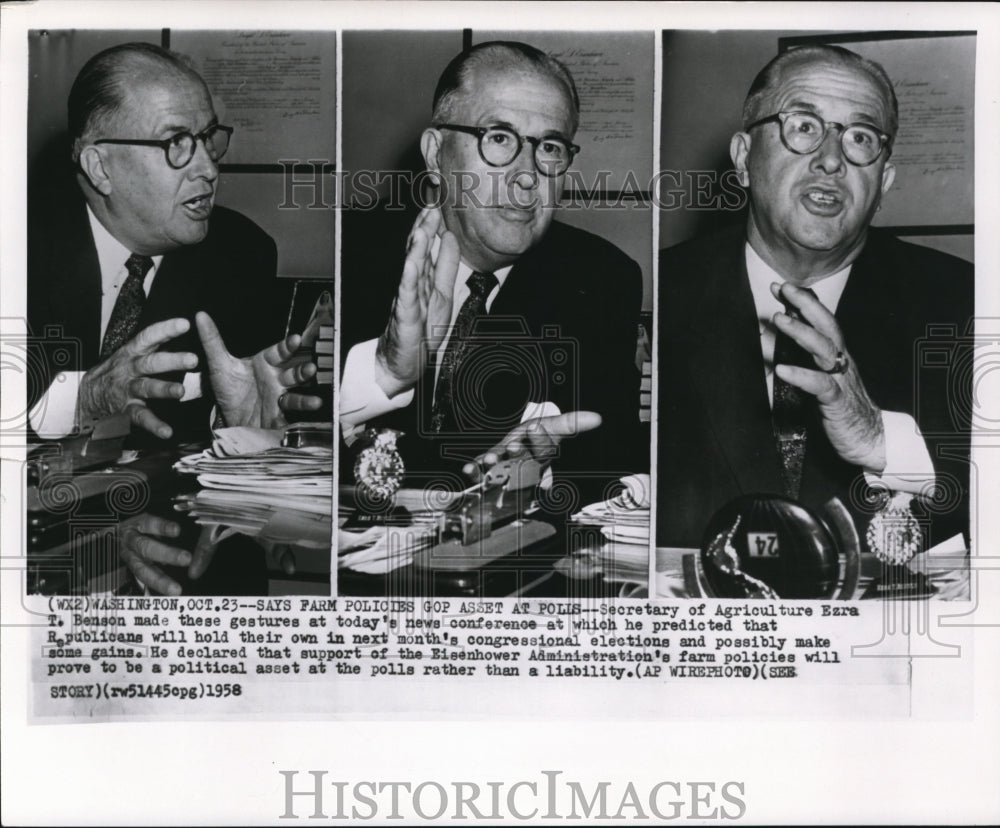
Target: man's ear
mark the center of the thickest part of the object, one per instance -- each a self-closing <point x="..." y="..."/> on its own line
<point x="430" y="148"/>
<point x="888" y="176"/>
<point x="739" y="151"/>
<point x="92" y="165"/>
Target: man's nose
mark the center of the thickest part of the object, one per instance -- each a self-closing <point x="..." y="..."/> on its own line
<point x="830" y="156"/>
<point x="201" y="164"/>
<point x="523" y="171"/>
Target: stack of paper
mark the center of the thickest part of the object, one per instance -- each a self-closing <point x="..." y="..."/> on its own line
<point x="286" y="472"/>
<point x="256" y="487"/>
<point x="624" y="526"/>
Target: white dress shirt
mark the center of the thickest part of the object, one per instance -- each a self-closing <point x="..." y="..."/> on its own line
<point x="908" y="465"/>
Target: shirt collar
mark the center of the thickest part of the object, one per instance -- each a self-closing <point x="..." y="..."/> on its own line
<point x="111" y="253"/>
<point x="828" y="290"/>
<point x="466" y="270"/>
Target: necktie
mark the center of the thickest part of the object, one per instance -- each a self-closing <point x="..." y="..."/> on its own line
<point x="124" y="321"/>
<point x="790" y="410"/>
<point x="443" y="413"/>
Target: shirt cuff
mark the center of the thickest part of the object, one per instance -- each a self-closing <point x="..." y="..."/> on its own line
<point x="192" y="386"/>
<point x="908" y="466"/>
<point x="535" y="410"/>
<point x="361" y="397"/>
<point x="54" y="415"/>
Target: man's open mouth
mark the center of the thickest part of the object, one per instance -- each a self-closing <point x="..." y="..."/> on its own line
<point x="822" y="201"/>
<point x="200" y="206"/>
<point x="822" y="198"/>
<point x="515" y="213"/>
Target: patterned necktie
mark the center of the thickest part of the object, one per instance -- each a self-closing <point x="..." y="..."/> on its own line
<point x="124" y="321"/>
<point x="790" y="410"/>
<point x="443" y="413"/>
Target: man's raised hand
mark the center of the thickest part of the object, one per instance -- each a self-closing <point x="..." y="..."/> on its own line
<point x="532" y="445"/>
<point x="852" y="422"/>
<point x="126" y="380"/>
<point x="421" y="311"/>
<point x="255" y="391"/>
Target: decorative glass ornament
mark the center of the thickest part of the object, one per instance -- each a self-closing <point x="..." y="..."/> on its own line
<point x="379" y="468"/>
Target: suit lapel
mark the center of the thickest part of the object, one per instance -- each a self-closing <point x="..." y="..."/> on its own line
<point x="868" y="312"/>
<point x="176" y="287"/>
<point x="727" y="370"/>
<point x="180" y="288"/>
<point x="524" y="288"/>
<point x="75" y="289"/>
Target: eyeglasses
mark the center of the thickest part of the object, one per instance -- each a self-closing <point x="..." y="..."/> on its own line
<point x="804" y="132"/>
<point x="180" y="148"/>
<point x="499" y="146"/>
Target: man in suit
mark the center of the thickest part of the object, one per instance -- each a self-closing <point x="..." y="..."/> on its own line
<point x="146" y="144"/>
<point x="132" y="261"/>
<point x="809" y="311"/>
<point x="494" y="332"/>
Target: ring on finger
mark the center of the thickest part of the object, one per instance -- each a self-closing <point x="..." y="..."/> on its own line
<point x="840" y="365"/>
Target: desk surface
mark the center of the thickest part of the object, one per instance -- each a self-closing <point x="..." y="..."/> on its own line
<point x="517" y="560"/>
<point x="72" y="539"/>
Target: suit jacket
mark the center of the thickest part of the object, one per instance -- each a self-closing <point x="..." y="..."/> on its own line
<point x="905" y="315"/>
<point x="230" y="275"/>
<point x="562" y="328"/>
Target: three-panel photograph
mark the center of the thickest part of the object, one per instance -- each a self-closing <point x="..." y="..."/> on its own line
<point x="506" y="412"/>
<point x="493" y="314"/>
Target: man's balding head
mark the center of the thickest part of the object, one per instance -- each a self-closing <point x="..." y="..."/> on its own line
<point x="498" y="211"/>
<point x="98" y="98"/>
<point x="770" y="79"/>
<point x="125" y="108"/>
<point x="496" y="58"/>
<point x="811" y="205"/>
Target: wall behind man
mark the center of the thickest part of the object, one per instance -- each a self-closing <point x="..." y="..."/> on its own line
<point x="706" y="76"/>
<point x="54" y="58"/>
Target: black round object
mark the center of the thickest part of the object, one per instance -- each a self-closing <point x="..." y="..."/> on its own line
<point x="777" y="541"/>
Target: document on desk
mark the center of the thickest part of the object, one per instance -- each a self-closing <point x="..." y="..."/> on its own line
<point x="296" y="520"/>
<point x="306" y="471"/>
<point x="253" y="485"/>
<point x="622" y="553"/>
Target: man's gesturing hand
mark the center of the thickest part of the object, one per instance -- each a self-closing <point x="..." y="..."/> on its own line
<point x="421" y="310"/>
<point x="147" y="542"/>
<point x="254" y="391"/>
<point x="124" y="381"/>
<point x="853" y="423"/>
<point x="532" y="445"/>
